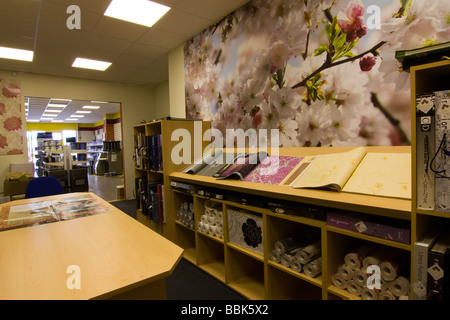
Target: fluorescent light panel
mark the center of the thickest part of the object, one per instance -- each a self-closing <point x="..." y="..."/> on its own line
<point x="85" y="112"/>
<point x="91" y="64"/>
<point x="142" y="12"/>
<point x="16" y="54"/>
<point x="53" y="105"/>
<point x="91" y="107"/>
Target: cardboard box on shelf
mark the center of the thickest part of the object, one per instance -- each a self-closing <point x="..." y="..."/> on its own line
<point x="16" y="183"/>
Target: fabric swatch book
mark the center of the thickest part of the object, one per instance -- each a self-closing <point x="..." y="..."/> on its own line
<point x="209" y="164"/>
<point x="242" y="165"/>
<point x="273" y="169"/>
<point x="357" y="171"/>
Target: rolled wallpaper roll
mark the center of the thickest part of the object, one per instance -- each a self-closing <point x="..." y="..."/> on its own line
<point x="399" y="287"/>
<point x="387" y="295"/>
<point x="290" y="243"/>
<point x="296" y="265"/>
<point x="377" y="257"/>
<point x="288" y="256"/>
<point x="360" y="277"/>
<point x="313" y="268"/>
<point x="309" y="253"/>
<point x="392" y="267"/>
<point x="355" y="259"/>
<point x="338" y="281"/>
<point x="346" y="272"/>
<point x="276" y="256"/>
<point x="354" y="288"/>
<point x="369" y="294"/>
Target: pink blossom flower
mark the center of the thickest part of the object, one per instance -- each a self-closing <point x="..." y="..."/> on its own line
<point x="279" y="55"/>
<point x="351" y="20"/>
<point x="367" y="62"/>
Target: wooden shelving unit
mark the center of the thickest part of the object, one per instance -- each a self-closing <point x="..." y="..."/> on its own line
<point x="254" y="275"/>
<point x="425" y="78"/>
<point x="165" y="128"/>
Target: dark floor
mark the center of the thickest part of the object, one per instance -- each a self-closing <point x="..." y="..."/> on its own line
<point x="187" y="282"/>
<point x="105" y="187"/>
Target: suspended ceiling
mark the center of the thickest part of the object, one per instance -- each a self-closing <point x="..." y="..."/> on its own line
<point x="139" y="55"/>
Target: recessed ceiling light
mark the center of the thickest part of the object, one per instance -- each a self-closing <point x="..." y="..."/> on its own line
<point x="16" y="54"/>
<point x="141" y="12"/>
<point x="47" y="118"/>
<point x="91" y="64"/>
<point x="28" y="120"/>
<point x="59" y="121"/>
<point x="91" y="107"/>
<point x="71" y="119"/>
<point x="53" y="111"/>
<point x="53" y="105"/>
<point x="99" y="102"/>
<point x="85" y="112"/>
<point x="63" y="100"/>
<point x="77" y="116"/>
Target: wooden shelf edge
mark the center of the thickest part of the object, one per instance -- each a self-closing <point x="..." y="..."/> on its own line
<point x="317" y="281"/>
<point x="383" y="206"/>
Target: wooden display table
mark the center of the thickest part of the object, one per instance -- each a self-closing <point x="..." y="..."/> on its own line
<point x="117" y="257"/>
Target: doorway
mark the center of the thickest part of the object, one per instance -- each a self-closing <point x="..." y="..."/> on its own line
<point x="86" y="134"/>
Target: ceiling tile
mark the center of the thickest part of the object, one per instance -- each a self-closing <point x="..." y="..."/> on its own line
<point x="162" y="38"/>
<point x="182" y="23"/>
<point x="115" y="28"/>
<point x="146" y="51"/>
<point x="211" y="10"/>
<point x="96" y="6"/>
<point x="23" y="9"/>
<point x="96" y="41"/>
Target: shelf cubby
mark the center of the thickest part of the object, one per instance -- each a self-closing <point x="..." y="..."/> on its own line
<point x="211" y="256"/>
<point x="282" y="285"/>
<point x="244" y="274"/>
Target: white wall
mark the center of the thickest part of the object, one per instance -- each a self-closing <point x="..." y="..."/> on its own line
<point x="138" y="102"/>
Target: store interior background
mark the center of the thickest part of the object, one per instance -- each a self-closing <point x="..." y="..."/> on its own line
<point x="147" y="75"/>
<point x="102" y="124"/>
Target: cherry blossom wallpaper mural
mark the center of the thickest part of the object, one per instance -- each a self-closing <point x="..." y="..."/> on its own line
<point x="322" y="72"/>
<point x="11" y="131"/>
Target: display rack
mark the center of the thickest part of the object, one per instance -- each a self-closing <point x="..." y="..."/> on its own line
<point x="163" y="129"/>
<point x="425" y="79"/>
<point x="255" y="275"/>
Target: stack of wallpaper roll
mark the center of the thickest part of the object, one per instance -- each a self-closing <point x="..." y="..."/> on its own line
<point x="185" y="214"/>
<point x="393" y="265"/>
<point x="212" y="221"/>
<point x="300" y="253"/>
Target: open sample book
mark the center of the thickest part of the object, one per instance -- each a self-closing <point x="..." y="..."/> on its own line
<point x="23" y="215"/>
<point x="356" y="171"/>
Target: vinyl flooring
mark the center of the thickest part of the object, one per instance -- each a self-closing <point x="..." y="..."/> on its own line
<point x="105" y="187"/>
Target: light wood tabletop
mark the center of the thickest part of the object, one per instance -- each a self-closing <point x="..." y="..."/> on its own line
<point x="101" y="256"/>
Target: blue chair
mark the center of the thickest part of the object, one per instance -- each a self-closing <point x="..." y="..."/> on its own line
<point x="43" y="186"/>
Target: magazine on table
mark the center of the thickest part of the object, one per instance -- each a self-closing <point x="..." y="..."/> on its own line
<point x="36" y="213"/>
